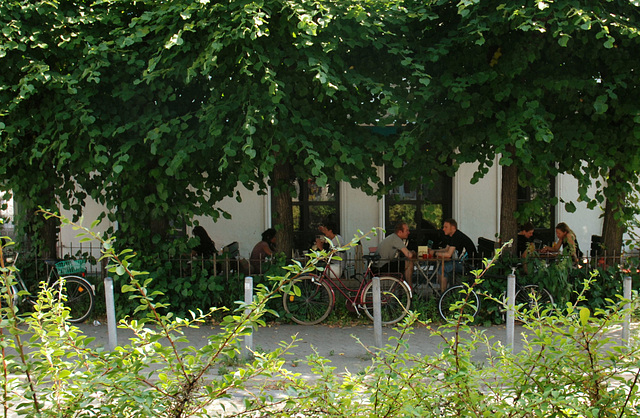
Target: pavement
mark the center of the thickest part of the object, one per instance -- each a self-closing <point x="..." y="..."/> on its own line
<point x="348" y="348"/>
<point x="338" y="344"/>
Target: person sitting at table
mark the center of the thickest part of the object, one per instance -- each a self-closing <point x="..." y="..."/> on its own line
<point x="525" y="239"/>
<point x="567" y="243"/>
<point x="390" y="248"/>
<point x="206" y="248"/>
<point x="330" y="231"/>
<point x="265" y="248"/>
<point x="457" y="243"/>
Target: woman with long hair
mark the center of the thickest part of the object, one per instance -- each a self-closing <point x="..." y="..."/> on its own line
<point x="567" y="242"/>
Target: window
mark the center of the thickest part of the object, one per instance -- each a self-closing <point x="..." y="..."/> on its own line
<point x="423" y="209"/>
<point x="537" y="204"/>
<point x="312" y="206"/>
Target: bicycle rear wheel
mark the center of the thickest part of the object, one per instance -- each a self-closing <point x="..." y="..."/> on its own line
<point x="395" y="300"/>
<point x="468" y="306"/>
<point x="79" y="297"/>
<point x="314" y="303"/>
<point x="535" y="300"/>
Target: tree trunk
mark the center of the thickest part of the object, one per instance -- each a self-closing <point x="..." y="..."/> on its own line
<point x="508" y="223"/>
<point x="283" y="213"/>
<point x="612" y="228"/>
<point x="35" y="233"/>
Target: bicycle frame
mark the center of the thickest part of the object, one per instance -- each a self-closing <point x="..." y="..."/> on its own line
<point x="337" y="283"/>
<point x="79" y="293"/>
<point x="355" y="300"/>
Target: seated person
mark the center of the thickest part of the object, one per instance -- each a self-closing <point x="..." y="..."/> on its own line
<point x="525" y="239"/>
<point x="329" y="230"/>
<point x="566" y="242"/>
<point x="457" y="244"/>
<point x="388" y="250"/>
<point x="206" y="247"/>
<point x="265" y="248"/>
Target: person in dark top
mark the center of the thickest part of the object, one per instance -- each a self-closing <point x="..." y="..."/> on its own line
<point x="525" y="237"/>
<point x="265" y="248"/>
<point x="457" y="244"/>
<point x="206" y="248"/>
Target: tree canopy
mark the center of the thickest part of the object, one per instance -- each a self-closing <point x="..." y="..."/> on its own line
<point x="160" y="109"/>
<point x="550" y="84"/>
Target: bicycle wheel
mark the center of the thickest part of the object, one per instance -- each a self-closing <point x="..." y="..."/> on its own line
<point x="314" y="303"/>
<point x="395" y="300"/>
<point x="469" y="303"/>
<point x="79" y="297"/>
<point x="534" y="299"/>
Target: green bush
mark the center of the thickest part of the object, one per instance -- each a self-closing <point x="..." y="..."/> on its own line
<point x="570" y="365"/>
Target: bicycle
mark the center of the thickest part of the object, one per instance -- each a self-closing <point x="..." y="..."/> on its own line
<point x="529" y="296"/>
<point x="316" y="298"/>
<point x="64" y="276"/>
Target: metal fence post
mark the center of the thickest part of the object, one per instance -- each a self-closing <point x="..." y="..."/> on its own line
<point x="626" y="324"/>
<point x="111" y="313"/>
<point x="247" y="346"/>
<point x="510" y="301"/>
<point x="377" y="314"/>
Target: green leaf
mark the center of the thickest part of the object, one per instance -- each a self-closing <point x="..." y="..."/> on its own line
<point x="585" y="313"/>
<point x="570" y="207"/>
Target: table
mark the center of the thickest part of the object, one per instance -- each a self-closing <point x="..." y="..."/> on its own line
<point x="427" y="272"/>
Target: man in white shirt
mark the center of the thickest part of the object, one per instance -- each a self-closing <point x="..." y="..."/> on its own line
<point x="329" y="230"/>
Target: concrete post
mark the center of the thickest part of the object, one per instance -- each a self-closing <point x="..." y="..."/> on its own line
<point x="510" y="301"/>
<point x="377" y="313"/>
<point x="247" y="346"/>
<point x="626" y="324"/>
<point x="111" y="313"/>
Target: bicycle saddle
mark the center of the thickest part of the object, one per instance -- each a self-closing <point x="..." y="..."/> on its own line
<point x="371" y="257"/>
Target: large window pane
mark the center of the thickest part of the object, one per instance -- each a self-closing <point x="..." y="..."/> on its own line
<point x="423" y="208"/>
<point x="313" y="205"/>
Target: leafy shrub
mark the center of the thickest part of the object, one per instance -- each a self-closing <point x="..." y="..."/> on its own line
<point x="569" y="365"/>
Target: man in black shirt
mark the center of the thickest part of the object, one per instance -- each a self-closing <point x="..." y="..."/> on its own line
<point x="457" y="244"/>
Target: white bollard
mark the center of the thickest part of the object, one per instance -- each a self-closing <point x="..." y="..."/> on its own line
<point x="626" y="324"/>
<point x="377" y="313"/>
<point x="111" y="313"/>
<point x="511" y="300"/>
<point x="247" y="346"/>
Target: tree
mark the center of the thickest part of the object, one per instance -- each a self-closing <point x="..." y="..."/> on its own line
<point x="41" y="112"/>
<point x="524" y="83"/>
<point x="277" y="89"/>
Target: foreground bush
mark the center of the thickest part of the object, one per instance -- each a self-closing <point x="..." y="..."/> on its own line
<point x="569" y="366"/>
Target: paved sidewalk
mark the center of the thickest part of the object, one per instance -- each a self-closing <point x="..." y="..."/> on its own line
<point x="337" y="344"/>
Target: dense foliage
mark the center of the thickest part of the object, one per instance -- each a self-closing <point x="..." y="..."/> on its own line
<point x="158" y="110"/>
<point x="569" y="365"/>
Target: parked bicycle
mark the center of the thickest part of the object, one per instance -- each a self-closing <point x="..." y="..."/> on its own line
<point x="66" y="281"/>
<point x="528" y="298"/>
<point x="317" y="297"/>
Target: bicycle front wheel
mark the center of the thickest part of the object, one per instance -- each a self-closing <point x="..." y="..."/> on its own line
<point x="79" y="297"/>
<point x="456" y="301"/>
<point x="534" y="300"/>
<point x="314" y="303"/>
<point x="395" y="300"/>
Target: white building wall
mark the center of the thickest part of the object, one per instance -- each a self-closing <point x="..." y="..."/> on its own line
<point x="584" y="222"/>
<point x="69" y="242"/>
<point x="249" y="219"/>
<point x="476" y="207"/>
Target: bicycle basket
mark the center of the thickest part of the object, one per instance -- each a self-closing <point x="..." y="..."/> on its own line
<point x="66" y="267"/>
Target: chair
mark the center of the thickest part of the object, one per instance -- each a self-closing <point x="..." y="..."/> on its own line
<point x="486" y="247"/>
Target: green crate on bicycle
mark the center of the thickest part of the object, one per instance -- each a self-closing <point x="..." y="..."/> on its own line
<point x="67" y="267"/>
